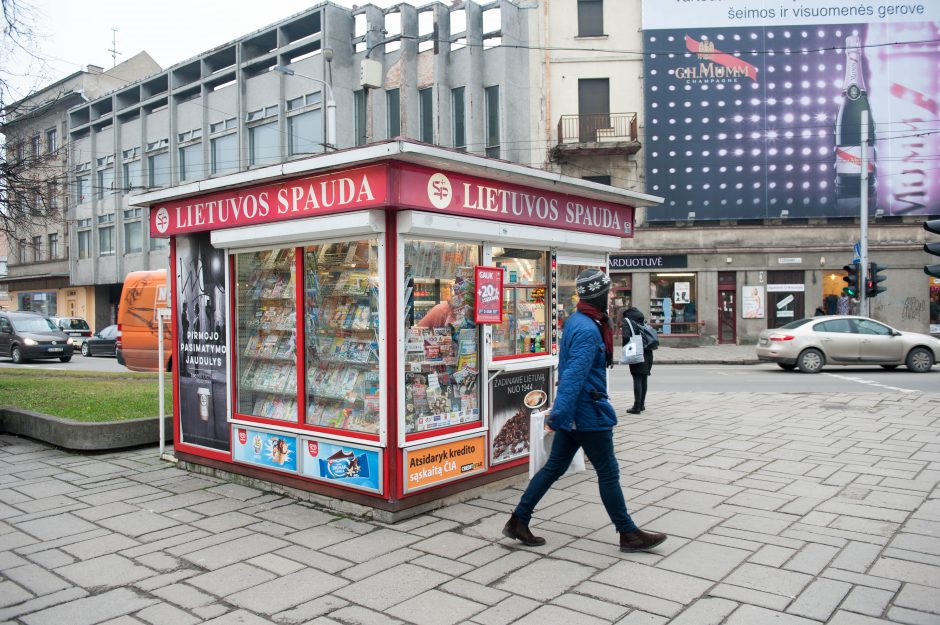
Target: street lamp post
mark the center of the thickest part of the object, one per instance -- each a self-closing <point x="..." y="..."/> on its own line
<point x="330" y="103"/>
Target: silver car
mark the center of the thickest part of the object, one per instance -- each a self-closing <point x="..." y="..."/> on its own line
<point x="811" y="344"/>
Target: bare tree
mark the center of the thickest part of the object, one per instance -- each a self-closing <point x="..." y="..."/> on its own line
<point x="31" y="174"/>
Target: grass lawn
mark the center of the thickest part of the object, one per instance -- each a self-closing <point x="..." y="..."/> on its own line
<point x="84" y="395"/>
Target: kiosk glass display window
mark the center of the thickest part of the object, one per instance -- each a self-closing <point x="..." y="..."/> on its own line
<point x="442" y="379"/>
<point x="341" y="327"/>
<point x="523" y="329"/>
<point x="265" y="334"/>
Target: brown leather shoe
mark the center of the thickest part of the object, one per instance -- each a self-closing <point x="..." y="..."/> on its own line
<point x="640" y="540"/>
<point x="518" y="530"/>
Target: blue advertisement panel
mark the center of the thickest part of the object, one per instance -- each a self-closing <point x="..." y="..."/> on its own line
<point x="342" y="464"/>
<point x="754" y="108"/>
<point x="272" y="450"/>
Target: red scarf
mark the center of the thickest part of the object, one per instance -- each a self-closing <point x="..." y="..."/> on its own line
<point x="603" y="321"/>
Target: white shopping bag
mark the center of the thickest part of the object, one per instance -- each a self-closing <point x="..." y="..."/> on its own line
<point x="540" y="446"/>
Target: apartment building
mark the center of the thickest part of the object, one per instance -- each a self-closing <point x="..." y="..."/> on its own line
<point x="449" y="74"/>
<point x="34" y="261"/>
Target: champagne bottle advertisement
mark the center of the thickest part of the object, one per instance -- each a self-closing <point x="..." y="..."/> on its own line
<point x="201" y="328"/>
<point x="754" y="108"/>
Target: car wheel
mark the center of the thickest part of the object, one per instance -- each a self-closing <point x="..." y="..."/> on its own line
<point x="889" y="367"/>
<point x="86" y="351"/>
<point x="65" y="358"/>
<point x="919" y="360"/>
<point x="786" y="366"/>
<point x="811" y="361"/>
<point x="17" y="355"/>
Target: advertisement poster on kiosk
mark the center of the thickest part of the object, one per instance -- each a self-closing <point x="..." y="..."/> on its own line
<point x="754" y="108"/>
<point x="201" y="331"/>
<point x="514" y="395"/>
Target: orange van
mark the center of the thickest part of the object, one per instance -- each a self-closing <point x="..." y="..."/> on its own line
<point x="143" y="294"/>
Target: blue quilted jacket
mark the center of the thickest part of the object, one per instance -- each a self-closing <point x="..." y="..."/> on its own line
<point x="581" y="401"/>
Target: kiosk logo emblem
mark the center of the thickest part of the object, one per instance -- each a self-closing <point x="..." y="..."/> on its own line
<point x="162" y="220"/>
<point x="439" y="191"/>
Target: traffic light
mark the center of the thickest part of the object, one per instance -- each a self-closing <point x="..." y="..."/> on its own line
<point x="871" y="281"/>
<point x="932" y="248"/>
<point x="851" y="289"/>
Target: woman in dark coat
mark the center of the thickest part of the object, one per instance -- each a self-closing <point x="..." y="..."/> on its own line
<point x="640" y="371"/>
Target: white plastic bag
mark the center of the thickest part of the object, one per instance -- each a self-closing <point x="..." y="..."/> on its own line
<point x="632" y="352"/>
<point x="540" y="446"/>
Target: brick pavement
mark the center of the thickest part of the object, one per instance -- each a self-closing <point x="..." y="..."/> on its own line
<point x="793" y="509"/>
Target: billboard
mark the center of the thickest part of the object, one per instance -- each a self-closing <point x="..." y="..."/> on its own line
<point x="754" y="108"/>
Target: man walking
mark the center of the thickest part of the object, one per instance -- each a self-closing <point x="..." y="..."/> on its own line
<point x="582" y="416"/>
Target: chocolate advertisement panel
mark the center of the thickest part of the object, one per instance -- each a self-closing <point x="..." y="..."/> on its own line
<point x="755" y="111"/>
<point x="342" y="464"/>
<point x="513" y="398"/>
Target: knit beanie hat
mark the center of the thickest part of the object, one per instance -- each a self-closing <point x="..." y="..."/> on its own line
<point x="592" y="286"/>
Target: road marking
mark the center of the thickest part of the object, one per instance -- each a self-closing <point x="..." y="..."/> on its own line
<point x="872" y="383"/>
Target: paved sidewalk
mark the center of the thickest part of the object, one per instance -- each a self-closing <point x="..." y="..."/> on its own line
<point x="707" y="354"/>
<point x="785" y="509"/>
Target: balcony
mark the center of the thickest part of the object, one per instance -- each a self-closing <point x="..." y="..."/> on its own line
<point x="608" y="134"/>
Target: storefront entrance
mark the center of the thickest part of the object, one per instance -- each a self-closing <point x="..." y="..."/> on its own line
<point x="727" y="308"/>
<point x="785" y="297"/>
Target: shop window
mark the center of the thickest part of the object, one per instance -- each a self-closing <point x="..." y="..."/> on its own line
<point x="567" y="294"/>
<point x="934" y="310"/>
<point x="191" y="162"/>
<point x="673" y="303"/>
<point x="265" y="334"/>
<point x="523" y="329"/>
<point x="263" y="144"/>
<point x="442" y="386"/>
<point x="341" y="321"/>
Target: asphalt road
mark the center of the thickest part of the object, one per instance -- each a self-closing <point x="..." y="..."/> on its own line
<point x="78" y="363"/>
<point x="769" y="378"/>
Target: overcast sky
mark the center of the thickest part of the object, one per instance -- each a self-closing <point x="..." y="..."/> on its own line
<point x="71" y="34"/>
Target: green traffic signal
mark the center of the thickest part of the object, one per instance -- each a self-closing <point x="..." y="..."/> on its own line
<point x="851" y="278"/>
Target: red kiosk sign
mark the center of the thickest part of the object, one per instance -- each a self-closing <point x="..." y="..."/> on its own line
<point x="488" y="295"/>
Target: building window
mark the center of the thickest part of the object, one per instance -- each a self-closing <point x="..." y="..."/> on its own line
<point x="84" y="243"/>
<point x="426" y="102"/>
<point x="20" y="153"/>
<point x="105" y="182"/>
<point x="37" y="146"/>
<point x="597" y="179"/>
<point x="81" y="189"/>
<point x="22" y="255"/>
<point x="393" y="106"/>
<point x="305" y="133"/>
<point x="458" y="106"/>
<point x="106" y="235"/>
<point x="132" y="179"/>
<point x="263" y="144"/>
<point x="673" y="303"/>
<point x="37" y="249"/>
<point x="52" y="141"/>
<point x="52" y="192"/>
<point x="360" y="101"/>
<point x="158" y="169"/>
<point x="132" y="242"/>
<point x="191" y="162"/>
<point x="159" y="244"/>
<point x="224" y="150"/>
<point x="53" y="245"/>
<point x="590" y="18"/>
<point x="492" y="122"/>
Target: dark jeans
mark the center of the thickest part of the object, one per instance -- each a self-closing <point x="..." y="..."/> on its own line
<point x="599" y="449"/>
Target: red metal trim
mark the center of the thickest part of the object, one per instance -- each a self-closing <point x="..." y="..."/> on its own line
<point x="522" y="356"/>
<point x="451" y="429"/>
<point x="392" y="456"/>
<point x="300" y="335"/>
<point x="233" y="375"/>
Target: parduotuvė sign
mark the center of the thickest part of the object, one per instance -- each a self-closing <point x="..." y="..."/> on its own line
<point x="623" y="262"/>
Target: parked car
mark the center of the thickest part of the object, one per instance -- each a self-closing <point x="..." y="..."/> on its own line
<point x="811" y="344"/>
<point x="25" y="336"/>
<point x="76" y="327"/>
<point x="101" y="343"/>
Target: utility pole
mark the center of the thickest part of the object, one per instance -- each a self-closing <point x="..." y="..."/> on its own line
<point x="863" y="219"/>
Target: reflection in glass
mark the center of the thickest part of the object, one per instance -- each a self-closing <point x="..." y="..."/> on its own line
<point x="523" y="329"/>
